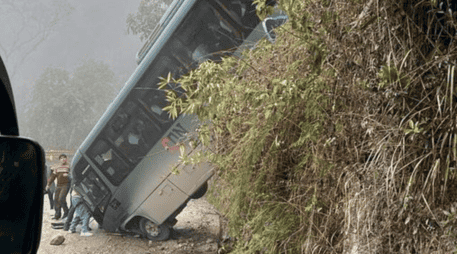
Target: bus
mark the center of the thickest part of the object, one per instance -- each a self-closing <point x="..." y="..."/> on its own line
<point x="123" y="167"/>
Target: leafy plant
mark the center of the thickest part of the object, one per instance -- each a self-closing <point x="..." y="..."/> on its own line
<point x="389" y="74"/>
<point x="414" y="128"/>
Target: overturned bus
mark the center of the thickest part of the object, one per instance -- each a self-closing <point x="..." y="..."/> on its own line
<point x="122" y="169"/>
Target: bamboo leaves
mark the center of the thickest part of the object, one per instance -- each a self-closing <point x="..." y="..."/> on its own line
<point x="414" y="128"/>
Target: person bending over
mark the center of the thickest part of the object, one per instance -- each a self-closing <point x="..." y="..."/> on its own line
<point x="81" y="213"/>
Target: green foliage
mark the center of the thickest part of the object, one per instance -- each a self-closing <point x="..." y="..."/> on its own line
<point x="262" y="9"/>
<point x="299" y="19"/>
<point x="389" y="74"/>
<point x="257" y="112"/>
<point x="338" y="155"/>
<point x="414" y="128"/>
<point x="271" y="223"/>
<point x="328" y="17"/>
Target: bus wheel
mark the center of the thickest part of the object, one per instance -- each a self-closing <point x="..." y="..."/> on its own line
<point x="154" y="232"/>
<point x="200" y="192"/>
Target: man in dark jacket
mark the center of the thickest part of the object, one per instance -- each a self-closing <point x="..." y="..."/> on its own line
<point x="61" y="173"/>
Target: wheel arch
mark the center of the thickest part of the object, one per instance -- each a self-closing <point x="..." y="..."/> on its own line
<point x="133" y="223"/>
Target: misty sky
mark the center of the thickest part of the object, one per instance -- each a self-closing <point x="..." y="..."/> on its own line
<point x="93" y="29"/>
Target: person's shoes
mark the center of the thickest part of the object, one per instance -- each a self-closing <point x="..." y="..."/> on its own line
<point x="57" y="227"/>
<point x="86" y="234"/>
<point x="56" y="217"/>
<point x="72" y="231"/>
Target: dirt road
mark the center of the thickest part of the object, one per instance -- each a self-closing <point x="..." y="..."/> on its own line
<point x="197" y="231"/>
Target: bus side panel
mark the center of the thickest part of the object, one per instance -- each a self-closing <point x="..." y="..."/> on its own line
<point x="135" y="189"/>
<point x="147" y="176"/>
<point x="191" y="177"/>
<point x="162" y="203"/>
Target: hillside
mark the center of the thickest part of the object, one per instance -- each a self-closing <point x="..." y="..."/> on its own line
<point x="340" y="137"/>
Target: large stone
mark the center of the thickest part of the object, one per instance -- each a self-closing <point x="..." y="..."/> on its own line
<point x="57" y="240"/>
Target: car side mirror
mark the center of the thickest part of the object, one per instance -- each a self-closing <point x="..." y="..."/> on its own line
<point x="21" y="180"/>
<point x="21" y="194"/>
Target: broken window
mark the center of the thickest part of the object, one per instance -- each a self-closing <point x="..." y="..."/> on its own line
<point x="94" y="189"/>
<point x="109" y="161"/>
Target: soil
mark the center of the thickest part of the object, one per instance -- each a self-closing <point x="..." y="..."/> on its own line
<point x="197" y="231"/>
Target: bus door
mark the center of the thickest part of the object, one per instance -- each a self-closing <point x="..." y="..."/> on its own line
<point x="93" y="189"/>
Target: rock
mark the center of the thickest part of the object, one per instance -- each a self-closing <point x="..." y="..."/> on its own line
<point x="57" y="240"/>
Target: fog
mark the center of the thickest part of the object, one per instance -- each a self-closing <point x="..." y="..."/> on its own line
<point x="94" y="29"/>
<point x="90" y="29"/>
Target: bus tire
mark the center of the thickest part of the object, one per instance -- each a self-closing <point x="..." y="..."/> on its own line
<point x="200" y="192"/>
<point x="154" y="232"/>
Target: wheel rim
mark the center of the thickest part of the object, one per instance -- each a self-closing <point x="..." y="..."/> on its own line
<point x="152" y="228"/>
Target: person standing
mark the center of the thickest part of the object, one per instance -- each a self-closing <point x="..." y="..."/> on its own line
<point x="61" y="173"/>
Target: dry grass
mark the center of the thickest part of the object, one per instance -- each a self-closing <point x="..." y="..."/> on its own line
<point x="396" y="183"/>
<point x="388" y="135"/>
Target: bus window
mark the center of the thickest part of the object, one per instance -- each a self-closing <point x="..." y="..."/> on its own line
<point x="96" y="191"/>
<point x="129" y="107"/>
<point x="226" y="34"/>
<point x="182" y="55"/>
<point x="242" y="11"/>
<point x="159" y="68"/>
<point x="165" y="63"/>
<point x="208" y="34"/>
<point x="79" y="169"/>
<point x="138" y="131"/>
<point x="119" y="121"/>
<point x="201" y="53"/>
<point x="108" y="160"/>
<point x="153" y="102"/>
<point x="138" y="137"/>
